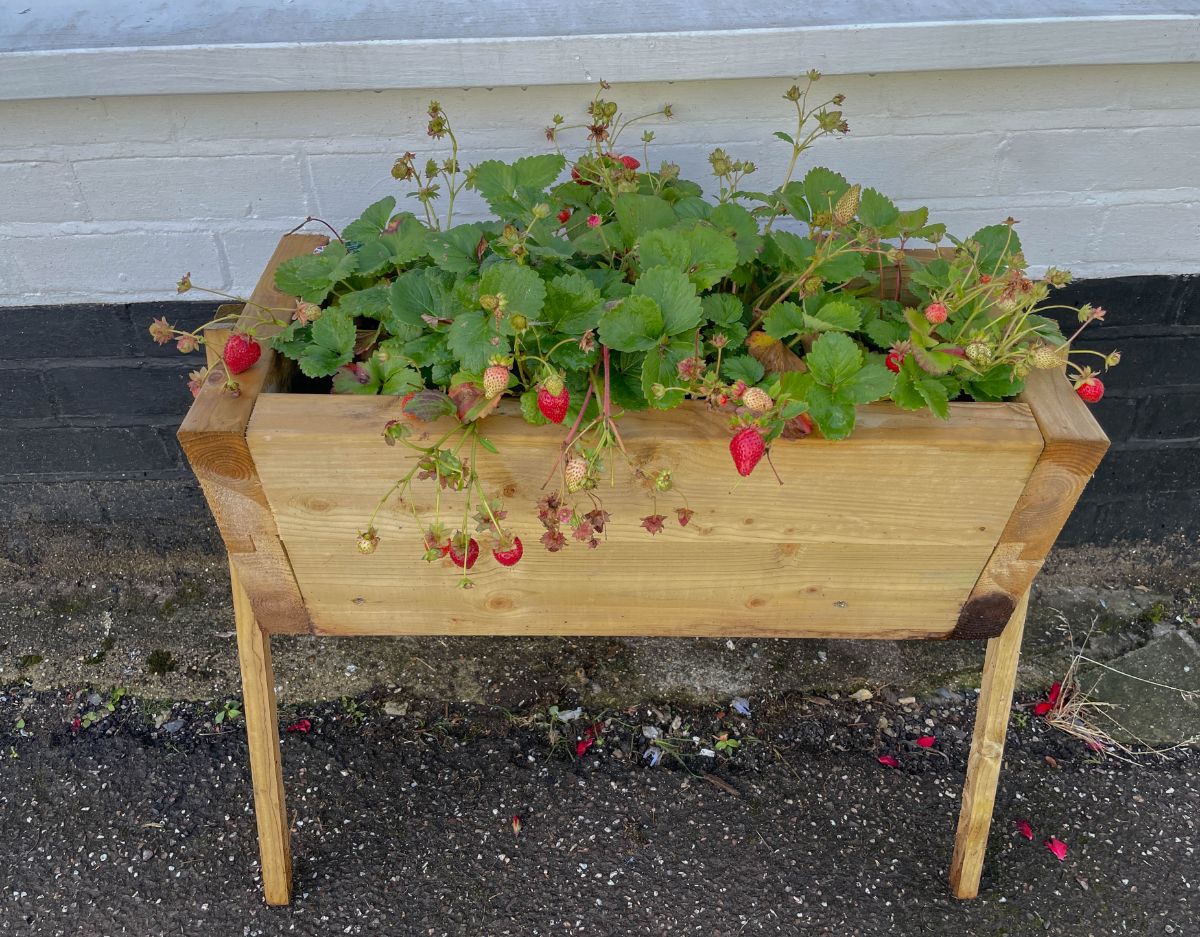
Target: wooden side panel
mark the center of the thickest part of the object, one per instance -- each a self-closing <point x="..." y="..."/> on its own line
<point x="1074" y="446"/>
<point x="882" y="535"/>
<point x="213" y="436"/>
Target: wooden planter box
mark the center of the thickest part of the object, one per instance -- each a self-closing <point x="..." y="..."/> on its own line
<point x="912" y="528"/>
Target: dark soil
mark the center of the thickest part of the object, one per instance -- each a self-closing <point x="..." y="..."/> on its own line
<point x="142" y="824"/>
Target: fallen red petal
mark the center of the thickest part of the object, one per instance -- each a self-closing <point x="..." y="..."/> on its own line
<point x="1058" y="847"/>
<point x="516" y="825"/>
<point x="926" y="741"/>
<point x="583" y="745"/>
<point x="300" y="725"/>
<point x="888" y="761"/>
<point x="1025" y="829"/>
<point x="1042" y="708"/>
<point x="1055" y="689"/>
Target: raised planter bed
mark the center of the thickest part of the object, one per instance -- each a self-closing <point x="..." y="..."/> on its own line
<point x="913" y="528"/>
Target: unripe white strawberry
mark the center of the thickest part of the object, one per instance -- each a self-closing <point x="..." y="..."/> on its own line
<point x="576" y="472"/>
<point x="495" y="380"/>
<point x="978" y="352"/>
<point x="757" y="400"/>
<point x="1044" y="357"/>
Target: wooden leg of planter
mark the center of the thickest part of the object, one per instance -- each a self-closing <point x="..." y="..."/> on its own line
<point x="262" y="736"/>
<point x="987" y="752"/>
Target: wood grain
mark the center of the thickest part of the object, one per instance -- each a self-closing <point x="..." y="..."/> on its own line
<point x="262" y="740"/>
<point x="213" y="438"/>
<point x="1074" y="446"/>
<point x="987" y="753"/>
<point x="881" y="535"/>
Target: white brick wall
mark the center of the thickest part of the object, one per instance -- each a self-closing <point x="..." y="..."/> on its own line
<point x="111" y="199"/>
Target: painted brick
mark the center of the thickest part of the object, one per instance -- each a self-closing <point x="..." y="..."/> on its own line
<point x="182" y="315"/>
<point x="1158" y="238"/>
<point x="1150" y="361"/>
<point x="82" y="331"/>
<point x="1174" y="416"/>
<point x="247" y="252"/>
<point x="139" y="392"/>
<point x="39" y="192"/>
<point x="192" y="188"/>
<point x="128" y="451"/>
<point x="23" y="395"/>
<point x="1129" y="301"/>
<point x="1154" y="516"/>
<point x="1088" y="160"/>
<point x="343" y="184"/>
<point x="83" y="122"/>
<point x="118" y="264"/>
<point x="1116" y="416"/>
<point x="1173" y="468"/>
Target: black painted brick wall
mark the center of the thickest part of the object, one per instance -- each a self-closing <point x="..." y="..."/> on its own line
<point x="88" y="403"/>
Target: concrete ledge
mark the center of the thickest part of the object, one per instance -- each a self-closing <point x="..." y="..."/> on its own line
<point x="489" y="54"/>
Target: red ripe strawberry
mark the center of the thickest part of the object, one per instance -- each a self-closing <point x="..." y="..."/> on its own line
<point x="511" y="556"/>
<point x="564" y="216"/>
<point x="893" y="361"/>
<point x="241" y="351"/>
<point x="577" y="177"/>
<point x="746" y="447"/>
<point x="935" y="313"/>
<point x="495" y="380"/>
<point x="629" y="162"/>
<point x="553" y="406"/>
<point x="456" y="556"/>
<point x="1091" y="390"/>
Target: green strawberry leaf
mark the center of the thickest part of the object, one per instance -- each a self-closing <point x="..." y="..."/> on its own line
<point x="371" y="303"/>
<point x="792" y="197"/>
<point x="785" y="319"/>
<point x="997" y="243"/>
<point x="789" y="252"/>
<point x="675" y="295"/>
<point x="832" y="411"/>
<point x="696" y="249"/>
<point x="529" y="408"/>
<point x="884" y="333"/>
<point x="836" y="316"/>
<point x="392" y="376"/>
<point x="414" y="294"/>
<point x="573" y="304"/>
<point x="312" y="276"/>
<point x="372" y="221"/>
<point x="742" y="368"/>
<point x="721" y="308"/>
<point x="332" y="345"/>
<point x="834" y="359"/>
<point x="456" y="250"/>
<point x="523" y="290"/>
<point x="877" y="211"/>
<point x="823" y="187"/>
<point x="873" y="381"/>
<point x="638" y="214"/>
<point x="470" y="339"/>
<point x="842" y="267"/>
<point x="634" y="325"/>
<point x="659" y="367"/>
<point x="737" y="223"/>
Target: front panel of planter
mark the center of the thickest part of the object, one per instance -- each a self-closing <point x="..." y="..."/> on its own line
<point x="881" y="535"/>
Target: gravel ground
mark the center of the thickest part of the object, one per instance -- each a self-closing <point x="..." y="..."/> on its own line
<point x="142" y="824"/>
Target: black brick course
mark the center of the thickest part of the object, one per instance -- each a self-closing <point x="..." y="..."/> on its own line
<point x="92" y="414"/>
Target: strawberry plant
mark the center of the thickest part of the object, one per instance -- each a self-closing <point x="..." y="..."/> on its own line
<point x="602" y="285"/>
